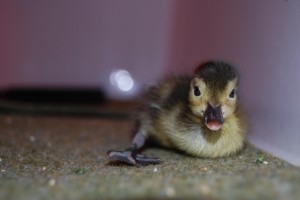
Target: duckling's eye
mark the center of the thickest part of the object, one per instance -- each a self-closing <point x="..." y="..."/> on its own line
<point x="232" y="94"/>
<point x="197" y="91"/>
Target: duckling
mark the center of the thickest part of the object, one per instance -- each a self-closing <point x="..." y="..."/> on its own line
<point x="197" y="114"/>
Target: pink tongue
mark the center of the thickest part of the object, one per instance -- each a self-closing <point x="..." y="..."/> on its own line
<point x="213" y="125"/>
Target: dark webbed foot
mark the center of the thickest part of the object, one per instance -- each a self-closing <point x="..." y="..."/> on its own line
<point x="131" y="157"/>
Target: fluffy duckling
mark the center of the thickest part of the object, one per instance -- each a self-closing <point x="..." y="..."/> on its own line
<point x="197" y="114"/>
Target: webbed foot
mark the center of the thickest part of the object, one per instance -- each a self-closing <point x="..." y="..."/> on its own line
<point x="131" y="157"/>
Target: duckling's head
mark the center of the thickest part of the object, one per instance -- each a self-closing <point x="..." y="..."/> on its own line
<point x="213" y="93"/>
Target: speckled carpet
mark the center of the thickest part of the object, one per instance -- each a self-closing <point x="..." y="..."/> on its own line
<point x="64" y="157"/>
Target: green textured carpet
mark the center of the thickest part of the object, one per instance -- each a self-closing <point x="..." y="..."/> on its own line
<point x="65" y="158"/>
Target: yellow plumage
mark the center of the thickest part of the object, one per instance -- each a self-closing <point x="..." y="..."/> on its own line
<point x="196" y="114"/>
<point x="172" y="115"/>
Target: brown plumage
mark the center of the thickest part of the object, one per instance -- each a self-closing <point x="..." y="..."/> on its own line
<point x="196" y="114"/>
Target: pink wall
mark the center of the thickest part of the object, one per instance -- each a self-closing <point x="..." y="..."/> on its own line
<point x="11" y="43"/>
<point x="74" y="42"/>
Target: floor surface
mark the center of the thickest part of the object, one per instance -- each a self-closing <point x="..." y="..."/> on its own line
<point x="64" y="157"/>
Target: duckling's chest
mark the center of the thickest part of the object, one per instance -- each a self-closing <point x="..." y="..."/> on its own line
<point x="194" y="140"/>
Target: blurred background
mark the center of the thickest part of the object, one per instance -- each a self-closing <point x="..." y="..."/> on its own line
<point x="121" y="45"/>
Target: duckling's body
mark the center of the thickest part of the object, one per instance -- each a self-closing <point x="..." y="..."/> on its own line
<point x="195" y="114"/>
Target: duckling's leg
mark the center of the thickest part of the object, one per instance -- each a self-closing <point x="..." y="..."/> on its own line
<point x="131" y="155"/>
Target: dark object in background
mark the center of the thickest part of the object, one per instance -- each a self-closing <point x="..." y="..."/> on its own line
<point x="60" y="102"/>
<point x="55" y="95"/>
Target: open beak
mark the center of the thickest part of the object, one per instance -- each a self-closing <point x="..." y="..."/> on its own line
<point x="213" y="118"/>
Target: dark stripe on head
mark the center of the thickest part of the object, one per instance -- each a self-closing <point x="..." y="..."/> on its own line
<point x="216" y="74"/>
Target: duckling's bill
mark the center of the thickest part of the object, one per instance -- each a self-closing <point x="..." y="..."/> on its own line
<point x="213" y="125"/>
<point x="213" y="118"/>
